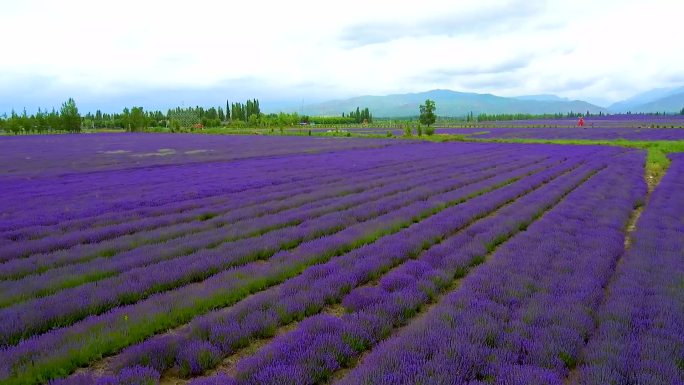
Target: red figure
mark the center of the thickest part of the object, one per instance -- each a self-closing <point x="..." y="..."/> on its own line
<point x="580" y="122"/>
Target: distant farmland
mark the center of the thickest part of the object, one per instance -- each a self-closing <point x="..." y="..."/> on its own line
<point x="200" y="259"/>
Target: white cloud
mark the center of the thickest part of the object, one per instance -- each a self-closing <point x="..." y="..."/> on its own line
<point x="595" y="50"/>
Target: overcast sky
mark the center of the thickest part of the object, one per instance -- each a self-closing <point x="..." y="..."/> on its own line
<point x="183" y="52"/>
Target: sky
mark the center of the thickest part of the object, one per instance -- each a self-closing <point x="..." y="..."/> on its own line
<point x="160" y="54"/>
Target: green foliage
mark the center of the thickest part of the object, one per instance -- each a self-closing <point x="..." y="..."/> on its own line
<point x="137" y="119"/>
<point x="13" y="126"/>
<point x="71" y="119"/>
<point x="361" y="116"/>
<point x="211" y="114"/>
<point x="43" y="121"/>
<point x="253" y="120"/>
<point x="179" y="119"/>
<point x="175" y="125"/>
<point x="429" y="130"/>
<point x="206" y="122"/>
<point x="328" y="120"/>
<point x="185" y="117"/>
<point x="407" y="130"/>
<point x="419" y="130"/>
<point x="243" y="112"/>
<point x="427" y="113"/>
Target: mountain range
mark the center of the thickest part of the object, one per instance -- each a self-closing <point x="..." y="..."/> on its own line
<point x="657" y="100"/>
<point x="453" y="103"/>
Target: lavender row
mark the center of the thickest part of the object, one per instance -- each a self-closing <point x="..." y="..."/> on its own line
<point x="58" y="241"/>
<point x="19" y="233"/>
<point x="618" y="120"/>
<point x="68" y="154"/>
<point x="301" y="178"/>
<point x="93" y="235"/>
<point x="100" y="192"/>
<point x="192" y="204"/>
<point x="47" y="355"/>
<point x="323" y="344"/>
<point x="522" y="317"/>
<point x="67" y="306"/>
<point x="640" y="336"/>
<point x="39" y="263"/>
<point x="72" y="275"/>
<point x="570" y="133"/>
<point x="258" y="316"/>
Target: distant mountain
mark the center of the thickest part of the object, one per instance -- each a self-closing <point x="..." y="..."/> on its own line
<point x="450" y="103"/>
<point x="652" y="101"/>
<point x="672" y="103"/>
<point x="543" y="98"/>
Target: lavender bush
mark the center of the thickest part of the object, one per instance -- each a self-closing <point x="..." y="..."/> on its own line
<point x="639" y="338"/>
<point x="523" y="317"/>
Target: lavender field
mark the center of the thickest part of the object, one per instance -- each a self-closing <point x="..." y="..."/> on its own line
<point x="569" y="132"/>
<point x="643" y="127"/>
<point x="199" y="259"/>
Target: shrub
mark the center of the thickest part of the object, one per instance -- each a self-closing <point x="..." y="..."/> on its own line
<point x="429" y="131"/>
<point x="196" y="357"/>
<point x="407" y="130"/>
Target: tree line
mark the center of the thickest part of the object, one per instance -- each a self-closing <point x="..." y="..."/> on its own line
<point x="248" y="114"/>
<point x="360" y="116"/>
<point x="67" y="119"/>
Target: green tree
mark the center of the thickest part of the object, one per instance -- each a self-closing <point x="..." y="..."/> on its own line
<point x="429" y="130"/>
<point x="126" y="119"/>
<point x="41" y="122"/>
<point x="211" y="114"/>
<point x="427" y="113"/>
<point x="253" y="120"/>
<point x="682" y="111"/>
<point x="26" y="122"/>
<point x="71" y="119"/>
<point x="54" y="120"/>
<point x="13" y="124"/>
<point x="137" y="119"/>
<point x="407" y="130"/>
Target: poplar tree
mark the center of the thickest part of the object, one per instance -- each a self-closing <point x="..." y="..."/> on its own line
<point x="71" y="119"/>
